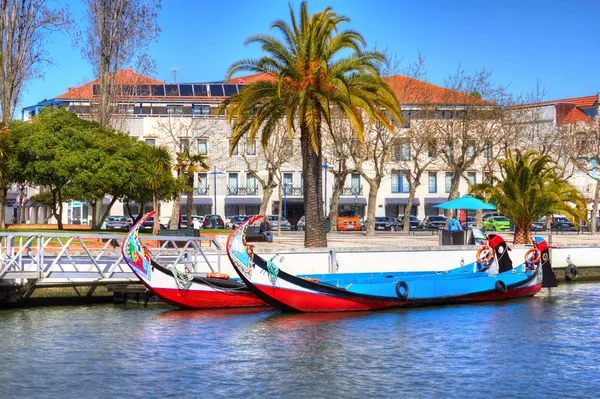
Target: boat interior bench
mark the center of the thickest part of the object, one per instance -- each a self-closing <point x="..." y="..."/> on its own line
<point x="253" y="234"/>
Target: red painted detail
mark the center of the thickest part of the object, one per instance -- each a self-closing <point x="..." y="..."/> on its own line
<point x="207" y="299"/>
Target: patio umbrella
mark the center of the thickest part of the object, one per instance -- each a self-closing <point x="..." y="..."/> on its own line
<point x="467" y="202"/>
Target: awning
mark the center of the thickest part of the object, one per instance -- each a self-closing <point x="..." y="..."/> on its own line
<point x="350" y="201"/>
<point x="197" y="201"/>
<point x="401" y="201"/>
<point x="291" y="201"/>
<point x="242" y="201"/>
<point x="435" y="200"/>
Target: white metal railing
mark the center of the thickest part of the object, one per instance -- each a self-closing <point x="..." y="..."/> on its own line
<point x="96" y="256"/>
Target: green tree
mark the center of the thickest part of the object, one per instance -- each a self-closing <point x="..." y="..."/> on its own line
<point x="530" y="187"/>
<point x="315" y="68"/>
<point x="155" y="174"/>
<point x="187" y="165"/>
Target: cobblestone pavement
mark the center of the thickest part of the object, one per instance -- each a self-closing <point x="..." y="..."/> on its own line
<point x="295" y="239"/>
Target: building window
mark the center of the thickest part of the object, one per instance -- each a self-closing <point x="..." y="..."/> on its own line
<point x="202" y="146"/>
<point x="251" y="186"/>
<point x="449" y="176"/>
<point x="288" y="183"/>
<point x="472" y="177"/>
<point x="401" y="184"/>
<point x="432" y="182"/>
<point x="232" y="186"/>
<point x="251" y="147"/>
<point x="174" y="110"/>
<point x="355" y="184"/>
<point x="202" y="184"/>
<point x="487" y="176"/>
<point x="235" y="149"/>
<point x="402" y="151"/>
<point x="200" y="110"/>
<point x="470" y="149"/>
<point x="184" y="146"/>
<point x="431" y="148"/>
<point x="489" y="149"/>
<point x="151" y="142"/>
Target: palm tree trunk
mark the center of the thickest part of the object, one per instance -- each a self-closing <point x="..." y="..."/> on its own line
<point x="314" y="233"/>
<point x="156" y="227"/>
<point x="522" y="235"/>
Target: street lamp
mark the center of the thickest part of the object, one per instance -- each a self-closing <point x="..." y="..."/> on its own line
<point x="285" y="186"/>
<point x="326" y="166"/>
<point x="215" y="173"/>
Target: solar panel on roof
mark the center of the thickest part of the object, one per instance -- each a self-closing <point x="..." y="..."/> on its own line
<point x="200" y="91"/>
<point x="230" y="90"/>
<point x="127" y="90"/>
<point x="172" y="90"/>
<point x="95" y="90"/>
<point x="143" y="90"/>
<point x="186" y="90"/>
<point x="157" y="90"/>
<point x="216" y="90"/>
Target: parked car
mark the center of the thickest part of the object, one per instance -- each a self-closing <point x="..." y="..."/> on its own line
<point x="414" y="222"/>
<point x="235" y="221"/>
<point x="149" y="224"/>
<point x="348" y="220"/>
<point x="434" y="222"/>
<point x="382" y="223"/>
<point x="118" y="223"/>
<point x="497" y="223"/>
<point x="597" y="223"/>
<point x="196" y="221"/>
<point x="279" y="223"/>
<point x="469" y="223"/>
<point x="301" y="225"/>
<point x="561" y="223"/>
<point x="213" y="222"/>
<point x="538" y="225"/>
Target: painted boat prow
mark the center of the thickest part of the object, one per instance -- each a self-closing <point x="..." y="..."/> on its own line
<point x="179" y="287"/>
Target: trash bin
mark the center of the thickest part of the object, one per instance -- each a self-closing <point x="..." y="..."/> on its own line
<point x="452" y="237"/>
<point x="327" y="225"/>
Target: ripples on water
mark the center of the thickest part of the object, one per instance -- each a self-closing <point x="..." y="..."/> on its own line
<point x="541" y="347"/>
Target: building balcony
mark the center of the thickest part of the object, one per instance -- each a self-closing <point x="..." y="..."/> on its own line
<point x="235" y="190"/>
<point x="201" y="190"/>
<point x="351" y="191"/>
<point x="400" y="189"/>
<point x="291" y="190"/>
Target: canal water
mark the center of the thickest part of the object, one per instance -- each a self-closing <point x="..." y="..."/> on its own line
<point x="541" y="347"/>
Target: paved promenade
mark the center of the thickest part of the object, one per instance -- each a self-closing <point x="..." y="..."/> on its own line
<point x="295" y="240"/>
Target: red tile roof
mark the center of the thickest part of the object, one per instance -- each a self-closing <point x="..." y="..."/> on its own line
<point x="126" y="76"/>
<point x="580" y="102"/>
<point x="246" y="79"/>
<point x="568" y="114"/>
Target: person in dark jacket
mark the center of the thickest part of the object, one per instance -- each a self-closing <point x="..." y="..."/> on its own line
<point x="265" y="229"/>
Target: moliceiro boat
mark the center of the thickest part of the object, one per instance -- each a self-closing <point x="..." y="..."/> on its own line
<point x="491" y="277"/>
<point x="175" y="286"/>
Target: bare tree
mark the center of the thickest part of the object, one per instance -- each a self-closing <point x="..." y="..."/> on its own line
<point x="24" y="29"/>
<point x="337" y="148"/>
<point x="468" y="119"/>
<point x="119" y="31"/>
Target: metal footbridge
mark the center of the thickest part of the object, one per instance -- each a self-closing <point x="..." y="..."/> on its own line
<point x="87" y="261"/>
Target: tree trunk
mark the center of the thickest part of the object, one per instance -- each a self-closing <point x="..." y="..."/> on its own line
<point x="372" y="205"/>
<point x="340" y="180"/>
<point x="189" y="202"/>
<point x="314" y="233"/>
<point x="156" y="227"/>
<point x="594" y="215"/>
<point x="407" y="209"/>
<point x="175" y="212"/>
<point x="3" y="194"/>
<point x="522" y="235"/>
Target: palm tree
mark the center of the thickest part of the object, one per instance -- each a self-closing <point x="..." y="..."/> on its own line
<point x="314" y="69"/>
<point x="188" y="165"/>
<point x="156" y="163"/>
<point x="530" y="187"/>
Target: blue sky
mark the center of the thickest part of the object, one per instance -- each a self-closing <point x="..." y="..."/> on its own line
<point x="520" y="42"/>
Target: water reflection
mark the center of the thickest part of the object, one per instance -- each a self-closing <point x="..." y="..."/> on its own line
<point x="544" y="346"/>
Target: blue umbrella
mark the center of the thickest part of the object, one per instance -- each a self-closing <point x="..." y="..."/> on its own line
<point x="467" y="202"/>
